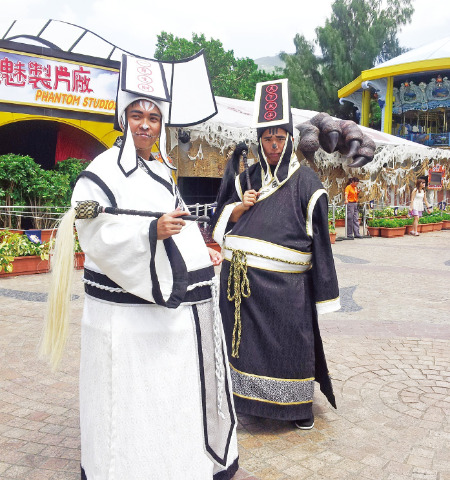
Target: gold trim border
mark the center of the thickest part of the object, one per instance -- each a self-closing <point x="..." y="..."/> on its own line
<point x="270" y="401"/>
<point x="271" y="269"/>
<point x="273" y="378"/>
<point x="327" y="301"/>
<point x="269" y="243"/>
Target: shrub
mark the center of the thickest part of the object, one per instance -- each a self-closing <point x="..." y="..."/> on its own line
<point x="376" y="222"/>
<point x="24" y="182"/>
<point x="17" y="245"/>
<point x="71" y="167"/>
<point x="392" y="222"/>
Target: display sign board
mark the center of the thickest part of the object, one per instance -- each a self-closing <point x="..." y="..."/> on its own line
<point x="39" y="81"/>
<point x="435" y="176"/>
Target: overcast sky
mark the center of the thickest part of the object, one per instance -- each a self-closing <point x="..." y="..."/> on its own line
<point x="251" y="29"/>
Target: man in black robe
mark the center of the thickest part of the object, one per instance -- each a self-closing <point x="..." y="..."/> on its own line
<point x="278" y="273"/>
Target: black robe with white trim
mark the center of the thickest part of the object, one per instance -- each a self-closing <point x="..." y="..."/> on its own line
<point x="280" y="353"/>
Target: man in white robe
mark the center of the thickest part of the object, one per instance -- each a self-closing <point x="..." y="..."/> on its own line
<point x="155" y="393"/>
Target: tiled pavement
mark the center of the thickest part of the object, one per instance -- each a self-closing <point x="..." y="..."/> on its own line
<point x="388" y="352"/>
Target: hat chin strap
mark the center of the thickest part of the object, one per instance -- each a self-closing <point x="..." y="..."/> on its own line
<point x="162" y="146"/>
<point x="162" y="135"/>
<point x="268" y="172"/>
<point x="129" y="150"/>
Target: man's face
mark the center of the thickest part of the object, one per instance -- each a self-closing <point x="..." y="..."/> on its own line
<point x="273" y="140"/>
<point x="144" y="119"/>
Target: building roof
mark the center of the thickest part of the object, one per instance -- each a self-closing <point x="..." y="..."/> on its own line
<point x="59" y="35"/>
<point x="430" y="57"/>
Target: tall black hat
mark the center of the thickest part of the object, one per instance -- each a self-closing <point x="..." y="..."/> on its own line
<point x="272" y="106"/>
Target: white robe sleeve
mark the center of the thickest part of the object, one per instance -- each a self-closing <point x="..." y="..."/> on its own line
<point x="118" y="245"/>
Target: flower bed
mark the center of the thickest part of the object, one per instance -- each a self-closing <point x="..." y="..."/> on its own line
<point x="27" y="266"/>
<point x="390" y="232"/>
<point x="374" y="231"/>
<point x="389" y="227"/>
<point x="14" y="246"/>
<point x="21" y="256"/>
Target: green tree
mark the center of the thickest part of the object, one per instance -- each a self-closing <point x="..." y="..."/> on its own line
<point x="17" y="175"/>
<point x="24" y="183"/>
<point x="303" y="72"/>
<point x="230" y="77"/>
<point x="72" y="167"/>
<point x="358" y="35"/>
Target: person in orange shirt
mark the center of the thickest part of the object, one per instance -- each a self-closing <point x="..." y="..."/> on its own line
<point x="351" y="201"/>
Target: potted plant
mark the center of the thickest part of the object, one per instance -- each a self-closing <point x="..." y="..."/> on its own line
<point x="425" y="224"/>
<point x="332" y="232"/>
<point x="373" y="227"/>
<point x="390" y="228"/>
<point x="409" y="225"/>
<point x="436" y="220"/>
<point x="388" y="212"/>
<point x="446" y="221"/>
<point x="339" y="215"/>
<point x="403" y="213"/>
<point x="21" y="256"/>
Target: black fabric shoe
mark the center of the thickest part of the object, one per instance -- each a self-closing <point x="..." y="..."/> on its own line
<point x="358" y="236"/>
<point x="305" y="423"/>
<point x="349" y="237"/>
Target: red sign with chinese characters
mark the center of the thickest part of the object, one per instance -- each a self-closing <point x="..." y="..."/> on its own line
<point x="51" y="83"/>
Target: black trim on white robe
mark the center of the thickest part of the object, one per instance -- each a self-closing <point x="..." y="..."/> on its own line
<point x="227" y="474"/>
<point x="100" y="183"/>
<point x="192" y="296"/>
<point x="155" y="177"/>
<point x="222" y="460"/>
<point x="127" y="170"/>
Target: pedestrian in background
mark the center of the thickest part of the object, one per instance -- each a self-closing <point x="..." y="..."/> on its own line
<point x="351" y="202"/>
<point x="416" y="208"/>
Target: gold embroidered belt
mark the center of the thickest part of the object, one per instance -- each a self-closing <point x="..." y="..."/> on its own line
<point x="263" y="255"/>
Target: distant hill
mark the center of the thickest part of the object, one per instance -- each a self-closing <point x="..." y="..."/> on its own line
<point x="269" y="64"/>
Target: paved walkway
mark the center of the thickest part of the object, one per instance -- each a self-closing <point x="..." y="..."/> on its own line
<point x="388" y="352"/>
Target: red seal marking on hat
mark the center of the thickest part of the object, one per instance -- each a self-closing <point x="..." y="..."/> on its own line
<point x="145" y="70"/>
<point x="271" y="88"/>
<point x="145" y="87"/>
<point x="271" y="106"/>
<point x="271" y="97"/>
<point x="270" y="115"/>
<point x="145" y="79"/>
<point x="144" y="63"/>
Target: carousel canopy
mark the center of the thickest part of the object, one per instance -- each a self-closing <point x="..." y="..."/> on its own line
<point x="434" y="56"/>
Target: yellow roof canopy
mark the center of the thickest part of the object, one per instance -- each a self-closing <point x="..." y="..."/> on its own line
<point x="430" y="57"/>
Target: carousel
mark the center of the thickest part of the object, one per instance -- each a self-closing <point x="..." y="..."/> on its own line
<point x="407" y="96"/>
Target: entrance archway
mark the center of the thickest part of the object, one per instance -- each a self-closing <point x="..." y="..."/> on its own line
<point x="48" y="142"/>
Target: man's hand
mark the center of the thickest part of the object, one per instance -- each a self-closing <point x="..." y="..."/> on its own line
<point x="170" y="224"/>
<point x="345" y="136"/>
<point x="250" y="197"/>
<point x="215" y="256"/>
